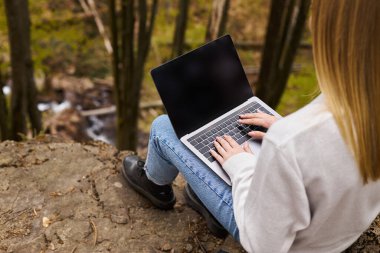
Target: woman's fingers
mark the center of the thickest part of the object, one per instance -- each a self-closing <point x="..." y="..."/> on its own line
<point x="231" y="141"/>
<point x="226" y="148"/>
<point x="218" y="157"/>
<point x="257" y="119"/>
<point x="257" y="135"/>
<point x="225" y="145"/>
<point x="219" y="148"/>
<point x="254" y="121"/>
<point x="255" y="115"/>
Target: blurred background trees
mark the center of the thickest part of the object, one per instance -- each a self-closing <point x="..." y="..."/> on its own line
<point x="284" y="32"/>
<point x="217" y="21"/>
<point x="23" y="102"/>
<point x="131" y="46"/>
<point x="180" y="28"/>
<point x="92" y="60"/>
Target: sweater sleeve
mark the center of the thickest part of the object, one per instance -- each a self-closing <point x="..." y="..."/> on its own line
<point x="270" y="201"/>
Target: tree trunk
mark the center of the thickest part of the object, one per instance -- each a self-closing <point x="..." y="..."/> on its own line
<point x="284" y="32"/>
<point x="218" y="19"/>
<point x="116" y="66"/>
<point x="290" y="52"/>
<point x="180" y="28"/>
<point x="31" y="90"/>
<point x="4" y="119"/>
<point x="33" y="112"/>
<point x="23" y="101"/>
<point x="126" y="136"/>
<point x="129" y="63"/>
<point x="16" y="27"/>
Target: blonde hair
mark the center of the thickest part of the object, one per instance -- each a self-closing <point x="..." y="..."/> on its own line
<point x="346" y="47"/>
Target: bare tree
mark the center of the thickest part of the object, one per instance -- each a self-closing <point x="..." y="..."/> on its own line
<point x="180" y="28"/>
<point x="284" y="32"/>
<point x="128" y="63"/>
<point x="218" y="19"/>
<point x="23" y="101"/>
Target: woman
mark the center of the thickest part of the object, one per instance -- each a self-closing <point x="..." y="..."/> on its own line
<point x="316" y="186"/>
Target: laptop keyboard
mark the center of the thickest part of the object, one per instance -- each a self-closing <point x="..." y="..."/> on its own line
<point x="204" y="140"/>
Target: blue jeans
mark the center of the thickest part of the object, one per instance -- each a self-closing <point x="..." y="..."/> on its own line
<point x="167" y="156"/>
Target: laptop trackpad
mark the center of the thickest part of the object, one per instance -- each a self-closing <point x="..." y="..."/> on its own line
<point x="255" y="146"/>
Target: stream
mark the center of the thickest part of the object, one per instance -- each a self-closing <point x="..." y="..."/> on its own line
<point x="94" y="127"/>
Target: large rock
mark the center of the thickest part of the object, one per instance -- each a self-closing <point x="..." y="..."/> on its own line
<point x="58" y="196"/>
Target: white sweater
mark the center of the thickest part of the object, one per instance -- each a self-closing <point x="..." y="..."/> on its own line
<point x="303" y="193"/>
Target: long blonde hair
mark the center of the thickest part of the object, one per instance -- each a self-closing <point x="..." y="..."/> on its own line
<point x="346" y="47"/>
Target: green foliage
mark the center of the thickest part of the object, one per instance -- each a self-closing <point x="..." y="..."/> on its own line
<point x="302" y="87"/>
<point x="4" y="46"/>
<point x="63" y="40"/>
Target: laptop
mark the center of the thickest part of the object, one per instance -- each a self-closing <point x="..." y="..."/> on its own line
<point x="204" y="91"/>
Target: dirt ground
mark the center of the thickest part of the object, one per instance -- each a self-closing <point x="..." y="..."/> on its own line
<point x="58" y="196"/>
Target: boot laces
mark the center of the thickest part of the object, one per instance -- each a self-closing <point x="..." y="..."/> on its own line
<point x="140" y="165"/>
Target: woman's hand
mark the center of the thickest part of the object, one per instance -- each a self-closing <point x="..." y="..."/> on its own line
<point x="257" y="119"/>
<point x="227" y="147"/>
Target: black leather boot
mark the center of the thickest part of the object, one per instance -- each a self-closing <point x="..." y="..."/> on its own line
<point x="162" y="196"/>
<point x="212" y="224"/>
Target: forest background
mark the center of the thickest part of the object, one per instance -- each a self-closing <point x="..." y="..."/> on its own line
<point x="79" y="80"/>
<point x="79" y="70"/>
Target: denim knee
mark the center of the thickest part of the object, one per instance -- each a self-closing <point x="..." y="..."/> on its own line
<point x="161" y="125"/>
<point x="161" y="122"/>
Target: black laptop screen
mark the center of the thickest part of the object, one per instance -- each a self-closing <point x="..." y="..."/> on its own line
<point x="201" y="85"/>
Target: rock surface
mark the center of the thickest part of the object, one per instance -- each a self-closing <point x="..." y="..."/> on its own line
<point x="58" y="196"/>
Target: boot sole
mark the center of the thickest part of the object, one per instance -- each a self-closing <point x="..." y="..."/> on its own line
<point x="156" y="202"/>
<point x="212" y="224"/>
